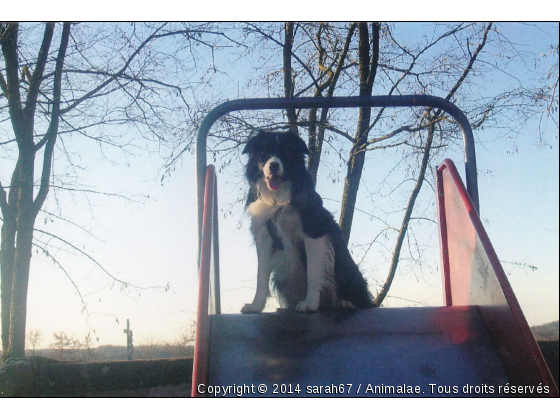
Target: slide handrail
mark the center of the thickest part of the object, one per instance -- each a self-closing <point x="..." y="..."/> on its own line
<point x="473" y="276"/>
<point x="208" y="252"/>
<point x="334" y="102"/>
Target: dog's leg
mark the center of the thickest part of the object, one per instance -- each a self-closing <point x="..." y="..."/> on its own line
<point x="319" y="257"/>
<point x="263" y="242"/>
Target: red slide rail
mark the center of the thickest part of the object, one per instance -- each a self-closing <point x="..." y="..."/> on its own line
<point x="207" y="251"/>
<point x="473" y="276"/>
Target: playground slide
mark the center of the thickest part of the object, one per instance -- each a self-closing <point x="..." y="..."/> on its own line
<point x="478" y="344"/>
<point x="384" y="352"/>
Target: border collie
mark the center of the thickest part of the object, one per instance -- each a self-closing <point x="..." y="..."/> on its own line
<point x="299" y="245"/>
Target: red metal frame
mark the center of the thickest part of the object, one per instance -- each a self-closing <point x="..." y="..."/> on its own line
<point x="447" y="298"/>
<point x="473" y="275"/>
<point x="202" y="339"/>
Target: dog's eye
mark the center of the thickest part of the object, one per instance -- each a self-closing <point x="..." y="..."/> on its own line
<point x="263" y="156"/>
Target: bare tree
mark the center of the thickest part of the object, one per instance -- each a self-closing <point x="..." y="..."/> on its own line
<point x="34" y="337"/>
<point x="182" y="346"/>
<point x="64" y="80"/>
<point x="62" y="344"/>
<point x="87" y="348"/>
<point x="148" y="348"/>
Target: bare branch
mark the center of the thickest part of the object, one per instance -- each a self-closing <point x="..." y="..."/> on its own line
<point x="52" y="132"/>
<point x="123" y="283"/>
<point x="68" y="276"/>
<point x="87" y="231"/>
<point x="10" y="87"/>
<point x="305" y="67"/>
<point x="115" y="76"/>
<point x="3" y="198"/>
<point x="37" y="77"/>
<point x="470" y="64"/>
<point x="88" y="191"/>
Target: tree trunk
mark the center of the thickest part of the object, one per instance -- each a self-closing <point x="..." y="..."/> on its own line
<point x="288" y="81"/>
<point x="7" y="254"/>
<point x="20" y="209"/>
<point x="351" y="185"/>
<point x="23" y="246"/>
<point x="368" y="68"/>
<point x="18" y="310"/>
<point x="314" y="146"/>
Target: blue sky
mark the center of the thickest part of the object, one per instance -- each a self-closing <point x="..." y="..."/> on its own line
<point x="154" y="243"/>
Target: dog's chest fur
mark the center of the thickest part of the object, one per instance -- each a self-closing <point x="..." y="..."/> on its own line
<point x="279" y="237"/>
<point x="272" y="210"/>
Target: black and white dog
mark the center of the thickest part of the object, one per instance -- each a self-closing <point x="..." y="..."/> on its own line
<point x="298" y="242"/>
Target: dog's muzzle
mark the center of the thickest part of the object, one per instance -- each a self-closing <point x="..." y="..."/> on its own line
<point x="274" y="179"/>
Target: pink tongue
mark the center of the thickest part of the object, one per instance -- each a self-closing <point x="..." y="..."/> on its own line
<point x="274" y="182"/>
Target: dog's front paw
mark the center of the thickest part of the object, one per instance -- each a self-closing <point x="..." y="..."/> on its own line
<point x="251" y="308"/>
<point x="305" y="306"/>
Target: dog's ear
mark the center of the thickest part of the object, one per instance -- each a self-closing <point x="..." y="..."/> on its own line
<point x="250" y="145"/>
<point x="298" y="143"/>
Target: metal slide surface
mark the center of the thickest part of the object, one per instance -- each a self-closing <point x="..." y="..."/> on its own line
<point x="397" y="349"/>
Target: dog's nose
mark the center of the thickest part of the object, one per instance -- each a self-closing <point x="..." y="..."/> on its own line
<point x="274" y="167"/>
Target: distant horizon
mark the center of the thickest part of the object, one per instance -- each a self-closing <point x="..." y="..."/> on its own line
<point x="161" y="343"/>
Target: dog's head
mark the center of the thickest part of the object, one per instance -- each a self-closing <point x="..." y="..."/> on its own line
<point x="275" y="157"/>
